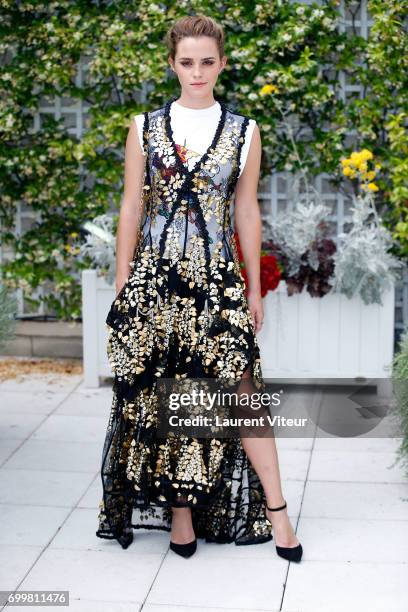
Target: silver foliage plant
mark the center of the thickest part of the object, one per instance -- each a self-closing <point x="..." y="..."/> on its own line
<point x="363" y="263"/>
<point x="298" y="239"/>
<point x="297" y="230"/>
<point x="400" y="393"/>
<point x="100" y="245"/>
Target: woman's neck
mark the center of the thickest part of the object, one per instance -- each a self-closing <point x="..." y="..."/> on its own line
<point x="196" y="104"/>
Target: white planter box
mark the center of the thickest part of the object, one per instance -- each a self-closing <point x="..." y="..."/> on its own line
<point x="97" y="297"/>
<point x="328" y="337"/>
<point x="302" y="337"/>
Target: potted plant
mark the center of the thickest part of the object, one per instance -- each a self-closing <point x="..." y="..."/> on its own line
<point x="348" y="331"/>
<point x="98" y="292"/>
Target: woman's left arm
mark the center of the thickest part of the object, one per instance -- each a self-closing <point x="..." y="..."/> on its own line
<point x="248" y="224"/>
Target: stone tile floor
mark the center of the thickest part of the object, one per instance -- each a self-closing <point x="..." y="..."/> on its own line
<point x="346" y="496"/>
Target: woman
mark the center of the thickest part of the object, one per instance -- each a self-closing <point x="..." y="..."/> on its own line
<point x="181" y="311"/>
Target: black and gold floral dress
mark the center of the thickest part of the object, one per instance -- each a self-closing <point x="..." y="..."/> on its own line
<point x="181" y="313"/>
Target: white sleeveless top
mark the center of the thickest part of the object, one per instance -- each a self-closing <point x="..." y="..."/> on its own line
<point x="194" y="129"/>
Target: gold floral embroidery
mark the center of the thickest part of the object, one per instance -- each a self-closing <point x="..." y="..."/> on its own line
<point x="181" y="314"/>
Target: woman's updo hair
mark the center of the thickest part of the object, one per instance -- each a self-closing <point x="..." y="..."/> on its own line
<point x="194" y="25"/>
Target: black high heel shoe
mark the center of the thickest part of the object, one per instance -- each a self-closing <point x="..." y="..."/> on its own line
<point x="184" y="550"/>
<point x="125" y="538"/>
<point x="293" y="553"/>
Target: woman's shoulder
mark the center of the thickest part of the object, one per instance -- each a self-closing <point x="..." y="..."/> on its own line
<point x="139" y="120"/>
<point x="153" y="111"/>
<point x="142" y="120"/>
<point x="243" y="118"/>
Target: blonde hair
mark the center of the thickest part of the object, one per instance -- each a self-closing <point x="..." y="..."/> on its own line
<point x="194" y="25"/>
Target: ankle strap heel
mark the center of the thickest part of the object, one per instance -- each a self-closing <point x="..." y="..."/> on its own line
<point x="276" y="509"/>
<point x="289" y="553"/>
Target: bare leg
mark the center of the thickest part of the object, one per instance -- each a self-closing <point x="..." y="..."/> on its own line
<point x="263" y="456"/>
<point x="182" y="530"/>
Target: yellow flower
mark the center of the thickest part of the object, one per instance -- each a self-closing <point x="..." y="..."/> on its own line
<point x="347" y="171"/>
<point x="366" y="154"/>
<point x="378" y="166"/>
<point x="372" y="187"/>
<point x="268" y="89"/>
<point x="68" y="248"/>
<point x="358" y="159"/>
<point x="73" y="234"/>
<point x="355" y="158"/>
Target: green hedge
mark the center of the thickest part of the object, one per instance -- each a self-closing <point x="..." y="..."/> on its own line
<point x="298" y="48"/>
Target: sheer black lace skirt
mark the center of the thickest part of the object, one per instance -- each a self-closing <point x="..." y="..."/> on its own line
<point x="185" y="332"/>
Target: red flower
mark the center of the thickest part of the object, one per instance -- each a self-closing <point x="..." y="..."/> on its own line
<point x="270" y="274"/>
<point x="269" y="270"/>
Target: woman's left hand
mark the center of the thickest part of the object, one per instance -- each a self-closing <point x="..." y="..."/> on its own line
<point x="255" y="304"/>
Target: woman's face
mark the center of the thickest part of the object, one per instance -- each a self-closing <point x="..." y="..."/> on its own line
<point x="197" y="64"/>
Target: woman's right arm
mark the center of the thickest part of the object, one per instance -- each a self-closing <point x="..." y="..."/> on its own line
<point x="131" y="209"/>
